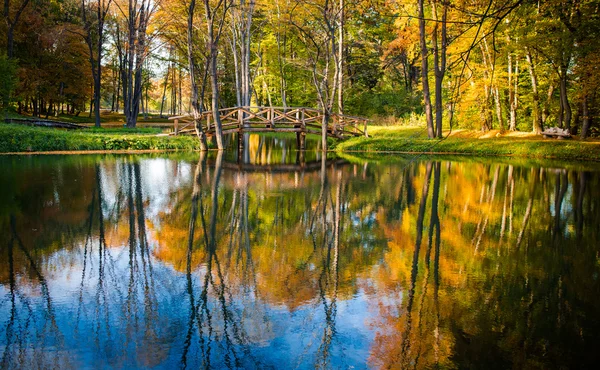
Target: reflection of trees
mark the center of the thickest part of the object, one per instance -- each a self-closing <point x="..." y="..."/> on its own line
<point x="250" y="247"/>
<point x="28" y="319"/>
<point x="217" y="324"/>
<point x="461" y="264"/>
<point x="329" y="245"/>
<point x="35" y="226"/>
<point x="499" y="298"/>
<point x="118" y="310"/>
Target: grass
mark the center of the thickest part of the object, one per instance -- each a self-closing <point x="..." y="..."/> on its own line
<point x="396" y="139"/>
<point x="19" y="138"/>
<point x="414" y="140"/>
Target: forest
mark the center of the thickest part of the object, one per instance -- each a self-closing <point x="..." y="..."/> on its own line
<point x="508" y="65"/>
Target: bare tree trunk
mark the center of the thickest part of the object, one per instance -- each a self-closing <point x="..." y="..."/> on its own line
<point x="95" y="47"/>
<point x="118" y="77"/>
<point x="546" y="110"/>
<point x="213" y="40"/>
<point x="487" y="116"/>
<point x="134" y="55"/>
<point x="242" y="15"/>
<point x="439" y="62"/>
<point x="164" y="94"/>
<point x="196" y="107"/>
<point x="425" y="71"/>
<point x="537" y="117"/>
<point x="490" y="68"/>
<point x="513" y="80"/>
<point x="114" y="88"/>
<point x="280" y="52"/>
<point x="564" y="99"/>
<point x="585" y="126"/>
<point x="236" y="69"/>
<point x="215" y="89"/>
<point x="340" y="60"/>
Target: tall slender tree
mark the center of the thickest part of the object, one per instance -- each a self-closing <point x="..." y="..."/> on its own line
<point x="93" y="26"/>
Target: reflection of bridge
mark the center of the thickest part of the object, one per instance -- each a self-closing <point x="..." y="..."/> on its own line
<point x="300" y="120"/>
<point x="284" y="167"/>
<point x="276" y="177"/>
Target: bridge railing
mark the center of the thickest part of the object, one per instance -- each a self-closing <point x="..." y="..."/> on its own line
<point x="275" y="119"/>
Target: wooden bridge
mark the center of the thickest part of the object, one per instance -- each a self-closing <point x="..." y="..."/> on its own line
<point x="299" y="120"/>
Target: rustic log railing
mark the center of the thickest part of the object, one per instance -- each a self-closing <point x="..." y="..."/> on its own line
<point x="299" y="120"/>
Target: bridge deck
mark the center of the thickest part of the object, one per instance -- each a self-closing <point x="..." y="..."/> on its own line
<point x="300" y="120"/>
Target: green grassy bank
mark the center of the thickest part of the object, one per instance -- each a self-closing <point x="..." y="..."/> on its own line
<point x="414" y="140"/>
<point x="18" y="138"/>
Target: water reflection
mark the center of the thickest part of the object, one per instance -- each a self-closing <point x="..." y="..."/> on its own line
<point x="202" y="262"/>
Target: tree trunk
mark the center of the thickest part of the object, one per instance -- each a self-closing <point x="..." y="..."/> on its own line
<point x="546" y="110"/>
<point x="340" y="60"/>
<point x="439" y="61"/>
<point x="138" y="18"/>
<point x="213" y="40"/>
<point x="513" y="75"/>
<point x="164" y="94"/>
<point x="425" y="71"/>
<point x="215" y="88"/>
<point x="11" y="24"/>
<point x="280" y="53"/>
<point x="537" y="117"/>
<point x="196" y="107"/>
<point x="564" y="100"/>
<point x="585" y="126"/>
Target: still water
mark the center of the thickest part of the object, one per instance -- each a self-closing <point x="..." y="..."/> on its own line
<point x="186" y="261"/>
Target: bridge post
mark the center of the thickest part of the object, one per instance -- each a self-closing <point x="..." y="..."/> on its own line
<point x="176" y="127"/>
<point x="301" y="136"/>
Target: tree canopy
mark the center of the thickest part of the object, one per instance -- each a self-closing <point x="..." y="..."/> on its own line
<point x="513" y="65"/>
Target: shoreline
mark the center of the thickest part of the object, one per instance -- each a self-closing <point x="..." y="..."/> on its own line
<point x="337" y="152"/>
<point x="386" y="141"/>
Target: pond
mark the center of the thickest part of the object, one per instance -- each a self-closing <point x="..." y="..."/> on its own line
<point x="193" y="261"/>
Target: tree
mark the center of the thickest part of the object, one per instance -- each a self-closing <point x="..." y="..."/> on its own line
<point x="133" y="52"/>
<point x="425" y="71"/>
<point x="11" y="23"/>
<point x="215" y="16"/>
<point x="242" y="13"/>
<point x="439" y="61"/>
<point x="8" y="80"/>
<point x="196" y="100"/>
<point x="94" y="37"/>
<point x="318" y="28"/>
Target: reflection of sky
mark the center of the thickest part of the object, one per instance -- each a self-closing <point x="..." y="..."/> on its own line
<point x="97" y="323"/>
